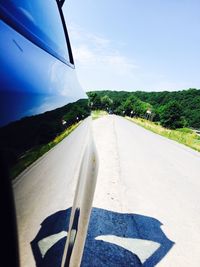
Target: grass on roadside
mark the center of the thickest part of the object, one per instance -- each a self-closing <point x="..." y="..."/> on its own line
<point x="96" y="114"/>
<point x="184" y="135"/>
<point x="32" y="155"/>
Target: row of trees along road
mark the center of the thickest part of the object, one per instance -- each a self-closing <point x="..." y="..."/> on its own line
<point x="171" y="109"/>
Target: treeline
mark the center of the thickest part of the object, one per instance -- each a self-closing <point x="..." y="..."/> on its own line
<point x="172" y="109"/>
<point x="31" y="132"/>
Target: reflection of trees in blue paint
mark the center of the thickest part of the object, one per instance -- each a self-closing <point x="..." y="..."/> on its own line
<point x="30" y="134"/>
<point x="99" y="253"/>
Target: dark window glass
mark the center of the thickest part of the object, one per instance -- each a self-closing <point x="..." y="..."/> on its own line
<point x="40" y="21"/>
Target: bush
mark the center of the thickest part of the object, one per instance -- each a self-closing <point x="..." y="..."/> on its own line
<point x="171" y="116"/>
<point x="185" y="130"/>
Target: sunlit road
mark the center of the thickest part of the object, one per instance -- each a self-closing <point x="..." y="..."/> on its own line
<point x="146" y="206"/>
<point x="154" y="178"/>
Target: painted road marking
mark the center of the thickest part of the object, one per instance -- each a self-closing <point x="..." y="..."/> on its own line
<point x="142" y="248"/>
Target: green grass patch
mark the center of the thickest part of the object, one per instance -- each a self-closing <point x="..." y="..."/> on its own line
<point x="32" y="155"/>
<point x="185" y="130"/>
<point x="184" y="135"/>
<point x="96" y="114"/>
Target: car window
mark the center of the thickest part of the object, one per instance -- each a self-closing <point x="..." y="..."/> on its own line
<point x="40" y="21"/>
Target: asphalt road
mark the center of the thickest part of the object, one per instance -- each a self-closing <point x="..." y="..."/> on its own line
<point x="146" y="205"/>
<point x="147" y="199"/>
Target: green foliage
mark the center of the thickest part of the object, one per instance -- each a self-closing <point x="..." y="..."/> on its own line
<point x="185" y="130"/>
<point x="106" y="102"/>
<point x="94" y="100"/>
<point x="172" y="116"/>
<point x="133" y="106"/>
<point x="189" y="100"/>
<point x="96" y="114"/>
<point x="98" y="102"/>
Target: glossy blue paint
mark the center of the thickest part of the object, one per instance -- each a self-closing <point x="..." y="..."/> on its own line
<point x="37" y="75"/>
<point x="45" y="29"/>
<point x="32" y="80"/>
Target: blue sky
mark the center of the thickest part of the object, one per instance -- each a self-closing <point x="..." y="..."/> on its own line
<point x="150" y="45"/>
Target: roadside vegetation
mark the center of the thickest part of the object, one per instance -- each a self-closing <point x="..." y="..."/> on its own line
<point x="175" y="115"/>
<point x="32" y="155"/>
<point x="184" y="136"/>
<point x="171" y="109"/>
<point x="172" y="114"/>
<point x="96" y="114"/>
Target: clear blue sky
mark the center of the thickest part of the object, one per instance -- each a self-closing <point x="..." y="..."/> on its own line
<point x="150" y="45"/>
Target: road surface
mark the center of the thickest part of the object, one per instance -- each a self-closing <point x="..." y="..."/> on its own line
<point x="151" y="186"/>
<point x="146" y="206"/>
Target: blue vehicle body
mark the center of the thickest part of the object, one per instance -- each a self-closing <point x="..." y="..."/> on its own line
<point x="40" y="97"/>
<point x="34" y="78"/>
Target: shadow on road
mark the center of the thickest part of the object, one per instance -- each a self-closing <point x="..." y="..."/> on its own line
<point x="113" y="240"/>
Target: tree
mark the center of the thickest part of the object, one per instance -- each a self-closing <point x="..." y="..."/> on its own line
<point x="172" y="116"/>
<point x="94" y="100"/>
<point x="188" y="99"/>
<point x="133" y="106"/>
<point x="106" y="102"/>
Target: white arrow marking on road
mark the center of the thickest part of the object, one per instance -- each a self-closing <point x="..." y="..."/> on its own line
<point x="46" y="243"/>
<point x="142" y="248"/>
